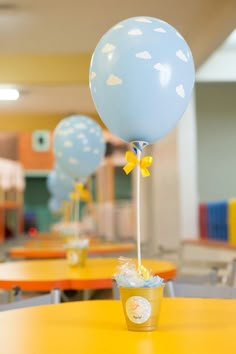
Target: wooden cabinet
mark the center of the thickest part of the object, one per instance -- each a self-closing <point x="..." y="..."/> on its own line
<point x="11" y="197"/>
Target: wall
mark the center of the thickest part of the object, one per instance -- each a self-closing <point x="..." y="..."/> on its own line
<point x="216" y="140"/>
<point x="32" y="159"/>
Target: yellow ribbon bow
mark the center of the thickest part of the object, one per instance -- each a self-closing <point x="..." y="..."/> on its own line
<point x="84" y="193"/>
<point x="133" y="161"/>
<point x="80" y="193"/>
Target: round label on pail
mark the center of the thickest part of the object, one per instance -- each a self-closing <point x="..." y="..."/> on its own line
<point x="138" y="309"/>
<point x="72" y="257"/>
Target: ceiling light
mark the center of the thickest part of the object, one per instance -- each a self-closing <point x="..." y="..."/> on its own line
<point x="8" y="94"/>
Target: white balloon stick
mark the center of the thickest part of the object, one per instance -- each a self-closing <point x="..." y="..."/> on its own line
<point x="138" y="218"/>
<point x="76" y="214"/>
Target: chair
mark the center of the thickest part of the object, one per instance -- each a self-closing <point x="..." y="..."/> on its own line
<point x="196" y="258"/>
<point x="46" y="299"/>
<point x="205" y="286"/>
<point x="181" y="289"/>
<point x="211" y="277"/>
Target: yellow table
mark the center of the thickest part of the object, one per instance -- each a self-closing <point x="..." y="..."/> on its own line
<point x="187" y="326"/>
<point x="44" y="275"/>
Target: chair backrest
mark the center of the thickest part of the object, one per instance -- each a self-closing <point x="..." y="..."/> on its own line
<point x="178" y="289"/>
<point x="230" y="276"/>
<point x="210" y="277"/>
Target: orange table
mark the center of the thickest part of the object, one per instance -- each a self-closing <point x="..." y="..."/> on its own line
<point x="186" y="326"/>
<point x="52" y="250"/>
<point x="44" y="275"/>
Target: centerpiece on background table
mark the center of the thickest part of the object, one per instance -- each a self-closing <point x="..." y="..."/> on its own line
<point x="79" y="148"/>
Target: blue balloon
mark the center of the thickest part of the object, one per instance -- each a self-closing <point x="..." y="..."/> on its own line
<point x="141" y="78"/>
<point x="79" y="146"/>
<point x="59" y="184"/>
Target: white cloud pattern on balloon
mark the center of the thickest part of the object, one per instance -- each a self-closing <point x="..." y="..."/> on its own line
<point x="68" y="143"/>
<point x="69" y="131"/>
<point x="80" y="126"/>
<point x="180" y="54"/>
<point x="73" y="161"/>
<point x="93" y="75"/>
<point x="159" y="67"/>
<point x="80" y="136"/>
<point x="180" y="90"/>
<point x="143" y="19"/>
<point x="135" y="32"/>
<point x="160" y="30"/>
<point x="113" y="80"/>
<point x="165" y="73"/>
<point x="108" y="48"/>
<point x="144" y="55"/>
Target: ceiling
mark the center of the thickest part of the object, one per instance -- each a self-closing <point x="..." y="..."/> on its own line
<point x="46" y="46"/>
